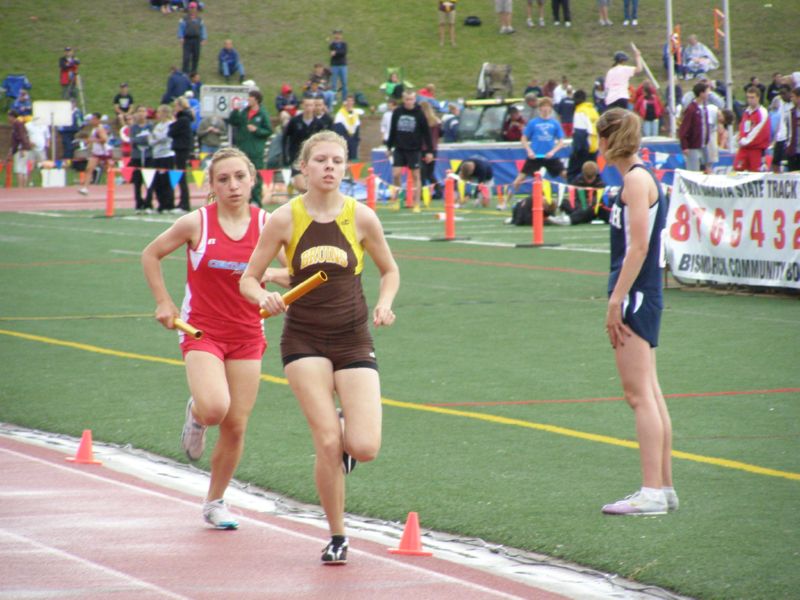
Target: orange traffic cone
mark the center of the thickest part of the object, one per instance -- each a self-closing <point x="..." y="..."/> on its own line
<point x="85" y="455"/>
<point x="410" y="543"/>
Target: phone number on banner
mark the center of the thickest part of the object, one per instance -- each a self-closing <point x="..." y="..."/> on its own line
<point x="741" y="230"/>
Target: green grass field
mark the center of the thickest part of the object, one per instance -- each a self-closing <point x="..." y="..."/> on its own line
<point x="124" y="40"/>
<point x="503" y="417"/>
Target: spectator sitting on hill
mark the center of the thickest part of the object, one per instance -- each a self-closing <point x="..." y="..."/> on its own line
<point x="230" y="62"/>
<point x="513" y="125"/>
<point x="533" y="87"/>
<point x="286" y="103"/>
<point x="698" y="58"/>
<point x="450" y="123"/>
<point x="177" y="85"/>
<point x="319" y="83"/>
<point x="393" y="86"/>
<point x="23" y="105"/>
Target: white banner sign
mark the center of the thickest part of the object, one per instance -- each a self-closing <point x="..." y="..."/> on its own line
<point x="221" y="99"/>
<point x="742" y="229"/>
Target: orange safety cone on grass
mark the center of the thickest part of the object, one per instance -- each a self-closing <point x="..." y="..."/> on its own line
<point x="410" y="543"/>
<point x="85" y="456"/>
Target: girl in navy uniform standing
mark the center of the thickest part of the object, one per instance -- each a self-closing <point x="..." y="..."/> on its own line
<point x="638" y="217"/>
<point x="326" y="345"/>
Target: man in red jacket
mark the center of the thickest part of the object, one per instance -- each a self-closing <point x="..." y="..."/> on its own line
<point x="754" y="134"/>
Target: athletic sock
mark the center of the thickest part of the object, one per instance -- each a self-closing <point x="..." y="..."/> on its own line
<point x="652" y="493"/>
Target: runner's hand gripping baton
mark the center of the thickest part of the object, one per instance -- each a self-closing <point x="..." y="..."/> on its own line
<point x="300" y="290"/>
<point x="186" y="328"/>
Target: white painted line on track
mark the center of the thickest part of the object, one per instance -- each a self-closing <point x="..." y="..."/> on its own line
<point x="282" y="530"/>
<point x="139" y="583"/>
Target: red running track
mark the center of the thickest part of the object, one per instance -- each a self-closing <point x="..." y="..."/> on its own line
<point x="87" y="531"/>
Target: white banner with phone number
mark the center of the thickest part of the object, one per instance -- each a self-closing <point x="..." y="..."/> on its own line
<point x="742" y="229"/>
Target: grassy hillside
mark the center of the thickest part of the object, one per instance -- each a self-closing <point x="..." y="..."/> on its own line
<point x="124" y="40"/>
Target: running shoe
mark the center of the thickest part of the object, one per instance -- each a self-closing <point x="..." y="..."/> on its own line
<point x="335" y="554"/>
<point x="193" y="436"/>
<point x="529" y="22"/>
<point x="562" y="220"/>
<point x="637" y="504"/>
<point x="672" y="500"/>
<point x="348" y="462"/>
<point x="216" y="513"/>
<point x="84" y="191"/>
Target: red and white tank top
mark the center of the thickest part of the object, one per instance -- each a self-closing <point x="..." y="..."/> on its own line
<point x="212" y="301"/>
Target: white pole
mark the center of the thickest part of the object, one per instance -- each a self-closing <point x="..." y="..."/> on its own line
<point x="728" y="69"/>
<point x="670" y="73"/>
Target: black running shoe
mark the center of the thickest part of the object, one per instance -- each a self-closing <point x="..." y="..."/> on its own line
<point x="335" y="554"/>
<point x="348" y="462"/>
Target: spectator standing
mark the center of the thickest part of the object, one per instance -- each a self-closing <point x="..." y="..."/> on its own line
<point x="197" y="84"/>
<point x="100" y="150"/>
<point x="299" y="128"/>
<point x="177" y="85"/>
<point x="447" y="20"/>
<point x="530" y="110"/>
<point x="386" y="118"/>
<point x="753" y="134"/>
<point x="68" y="132"/>
<point x="409" y="133"/>
<point x="561" y="9"/>
<point x="504" y="10"/>
<point x="348" y="125"/>
<point x="230" y="62"/>
<point x="39" y="137"/>
<point x="428" y="165"/>
<point x="693" y="132"/>
<point x="180" y="130"/>
<point x="541" y="140"/>
<point x="141" y="158"/>
<point x="338" y="51"/>
<point x="584" y="135"/>
<point x="649" y="108"/>
<point x="631" y="13"/>
<point x="773" y="89"/>
<point x="602" y="7"/>
<point x="163" y="159"/>
<point x="566" y="111"/>
<point x="560" y="91"/>
<point x="762" y="90"/>
<point x="321" y="115"/>
<point x="783" y="104"/>
<point x="254" y="129"/>
<point x="617" y="81"/>
<point x="192" y="35"/>
<point x="529" y="20"/>
<point x="793" y="139"/>
<point x="19" y="148"/>
<point x="211" y="132"/>
<point x="123" y="103"/>
<point x="68" y="68"/>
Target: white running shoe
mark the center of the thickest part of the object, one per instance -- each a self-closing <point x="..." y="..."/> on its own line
<point x="529" y="22"/>
<point x="216" y="513"/>
<point x="541" y="22"/>
<point x="568" y="24"/>
<point x="562" y="220"/>
<point x="84" y="191"/>
<point x="635" y="23"/>
<point x="672" y="500"/>
<point x="625" y="23"/>
<point x="636" y="504"/>
<point x="193" y="436"/>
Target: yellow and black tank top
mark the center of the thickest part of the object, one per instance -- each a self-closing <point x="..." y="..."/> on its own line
<point x="338" y="306"/>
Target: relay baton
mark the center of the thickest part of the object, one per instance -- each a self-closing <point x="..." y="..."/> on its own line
<point x="300" y="290"/>
<point x="186" y="328"/>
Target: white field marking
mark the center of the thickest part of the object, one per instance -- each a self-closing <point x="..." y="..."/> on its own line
<point x="107" y="570"/>
<point x="419" y="238"/>
<point x="283" y="530"/>
<point x="80" y="230"/>
<point x="12" y="239"/>
<point x="44" y="214"/>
